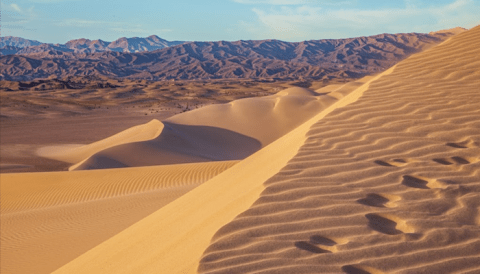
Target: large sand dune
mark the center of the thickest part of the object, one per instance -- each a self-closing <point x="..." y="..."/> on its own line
<point x="390" y="184"/>
<point x="172" y="240"/>
<point x="50" y="218"/>
<point x="220" y="132"/>
<point x="387" y="182"/>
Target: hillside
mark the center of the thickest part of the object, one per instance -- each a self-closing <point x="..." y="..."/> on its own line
<point x="263" y="59"/>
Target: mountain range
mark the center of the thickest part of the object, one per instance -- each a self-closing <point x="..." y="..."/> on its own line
<point x="17" y="45"/>
<point x="253" y="59"/>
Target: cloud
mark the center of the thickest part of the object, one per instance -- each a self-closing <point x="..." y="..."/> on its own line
<point x="16" y="8"/>
<point x="316" y="22"/>
<point x="273" y="2"/>
<point x="50" y="1"/>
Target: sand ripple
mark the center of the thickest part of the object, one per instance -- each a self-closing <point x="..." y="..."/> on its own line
<point x="389" y="184"/>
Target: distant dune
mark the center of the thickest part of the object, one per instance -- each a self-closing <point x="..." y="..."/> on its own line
<point x="50" y="218"/>
<point x="262" y="59"/>
<point x="385" y="180"/>
<point x="219" y="132"/>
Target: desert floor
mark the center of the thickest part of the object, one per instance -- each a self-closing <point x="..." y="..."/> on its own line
<point x="379" y="175"/>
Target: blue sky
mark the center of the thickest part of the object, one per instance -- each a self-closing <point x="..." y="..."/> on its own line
<point x="57" y="21"/>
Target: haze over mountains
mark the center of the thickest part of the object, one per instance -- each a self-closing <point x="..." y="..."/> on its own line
<point x="17" y="45"/>
<point x="159" y="59"/>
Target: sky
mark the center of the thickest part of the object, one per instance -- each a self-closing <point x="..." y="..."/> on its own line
<point x="58" y="21"/>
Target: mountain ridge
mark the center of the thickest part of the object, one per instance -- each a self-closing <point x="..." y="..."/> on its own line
<point x="244" y="59"/>
<point x="83" y="45"/>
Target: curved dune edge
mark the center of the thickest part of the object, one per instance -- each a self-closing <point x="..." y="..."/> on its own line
<point x="390" y="184"/>
<point x="219" y="132"/>
<point x="50" y="218"/>
<point x="77" y="153"/>
<point x="173" y="239"/>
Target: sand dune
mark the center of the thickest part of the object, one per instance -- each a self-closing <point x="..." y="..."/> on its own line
<point x="386" y="182"/>
<point x="389" y="184"/>
<point x="77" y="153"/>
<point x="172" y="240"/>
<point x="222" y="132"/>
<point x="50" y="218"/>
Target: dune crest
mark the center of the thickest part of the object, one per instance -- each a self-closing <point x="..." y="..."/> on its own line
<point x="220" y="132"/>
<point x="76" y="153"/>
<point x="394" y="175"/>
<point x="172" y="239"/>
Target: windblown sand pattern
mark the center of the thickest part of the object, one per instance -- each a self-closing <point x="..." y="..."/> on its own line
<point x="49" y="219"/>
<point x="389" y="184"/>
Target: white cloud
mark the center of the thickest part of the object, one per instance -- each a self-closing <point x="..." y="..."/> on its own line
<point x="315" y="22"/>
<point x="274" y="2"/>
<point x="50" y="1"/>
<point x="16" y="8"/>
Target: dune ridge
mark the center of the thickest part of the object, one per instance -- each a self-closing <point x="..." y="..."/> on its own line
<point x="219" y="132"/>
<point x="172" y="239"/>
<point x="389" y="184"/>
<point x="77" y="153"/>
<point x="50" y="218"/>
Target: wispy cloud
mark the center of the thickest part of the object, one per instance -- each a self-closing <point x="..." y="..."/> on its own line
<point x="298" y="22"/>
<point x="16" y="8"/>
<point x="17" y="14"/>
<point x="273" y="2"/>
<point x="50" y="1"/>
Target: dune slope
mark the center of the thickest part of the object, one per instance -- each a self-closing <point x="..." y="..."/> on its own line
<point x="220" y="132"/>
<point x="172" y="239"/>
<point x="50" y="218"/>
<point x="390" y="184"/>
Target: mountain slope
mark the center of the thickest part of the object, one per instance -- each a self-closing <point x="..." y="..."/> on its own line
<point x="319" y="59"/>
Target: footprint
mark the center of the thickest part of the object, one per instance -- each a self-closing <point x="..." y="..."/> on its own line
<point x="319" y="244"/>
<point x="360" y="269"/>
<point x="442" y="161"/>
<point x="320" y="240"/>
<point x="422" y="182"/>
<point x="460" y="160"/>
<point x="455" y="145"/>
<point x="388" y="224"/>
<point x="463" y="144"/>
<point x="393" y="163"/>
<point x="379" y="200"/>
<point x="311" y="247"/>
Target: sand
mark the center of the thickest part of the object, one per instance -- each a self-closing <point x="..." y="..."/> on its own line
<point x="174" y="238"/>
<point x="61" y="215"/>
<point x="50" y="218"/>
<point x="384" y="180"/>
<point x="390" y="184"/>
<point x="376" y="176"/>
<point x="218" y="132"/>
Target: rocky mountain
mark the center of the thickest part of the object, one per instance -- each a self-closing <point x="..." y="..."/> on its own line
<point x="6" y="50"/>
<point x="83" y="45"/>
<point x="17" y="42"/>
<point x="263" y="59"/>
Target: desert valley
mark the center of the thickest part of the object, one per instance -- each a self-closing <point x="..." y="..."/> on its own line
<point x="142" y="155"/>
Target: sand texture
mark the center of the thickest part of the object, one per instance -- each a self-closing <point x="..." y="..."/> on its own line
<point x="50" y="218"/>
<point x="173" y="239"/>
<point x="381" y="175"/>
<point x="385" y="180"/>
<point x="219" y="132"/>
<point x="389" y="184"/>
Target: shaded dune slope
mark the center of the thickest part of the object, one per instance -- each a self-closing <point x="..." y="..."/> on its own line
<point x="389" y="184"/>
<point x="50" y="218"/>
<point x="221" y="132"/>
<point x="171" y="240"/>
